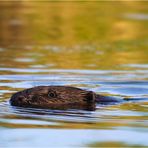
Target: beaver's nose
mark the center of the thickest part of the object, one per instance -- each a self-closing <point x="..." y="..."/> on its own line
<point x="17" y="100"/>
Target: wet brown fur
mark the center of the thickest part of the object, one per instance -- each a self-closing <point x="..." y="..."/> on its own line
<point x="62" y="97"/>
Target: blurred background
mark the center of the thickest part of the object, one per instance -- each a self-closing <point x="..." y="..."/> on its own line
<point x="67" y="35"/>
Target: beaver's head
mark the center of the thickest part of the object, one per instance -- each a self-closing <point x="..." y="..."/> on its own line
<point x="54" y="97"/>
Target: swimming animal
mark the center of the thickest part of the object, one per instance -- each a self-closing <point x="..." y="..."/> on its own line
<point x="60" y="97"/>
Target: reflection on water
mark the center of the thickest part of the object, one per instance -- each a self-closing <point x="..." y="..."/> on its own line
<point x="57" y="35"/>
<point x="122" y="119"/>
<point x="75" y="137"/>
<point x="78" y="44"/>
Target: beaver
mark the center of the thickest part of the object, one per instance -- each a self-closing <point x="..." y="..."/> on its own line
<point x="60" y="97"/>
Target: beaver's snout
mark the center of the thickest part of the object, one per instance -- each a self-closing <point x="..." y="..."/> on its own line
<point x="18" y="100"/>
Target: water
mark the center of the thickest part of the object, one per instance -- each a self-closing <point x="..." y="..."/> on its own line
<point x="91" y="45"/>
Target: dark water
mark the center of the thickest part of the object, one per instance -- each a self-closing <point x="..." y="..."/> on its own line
<point x="98" y="46"/>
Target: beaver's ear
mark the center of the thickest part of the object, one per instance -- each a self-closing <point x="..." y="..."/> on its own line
<point x="90" y="98"/>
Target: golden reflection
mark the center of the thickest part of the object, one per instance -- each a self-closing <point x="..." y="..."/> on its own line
<point x="30" y="27"/>
<point x="114" y="144"/>
<point x="123" y="31"/>
<point x="66" y="23"/>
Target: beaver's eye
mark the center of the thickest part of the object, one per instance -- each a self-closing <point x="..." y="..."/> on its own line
<point x="52" y="94"/>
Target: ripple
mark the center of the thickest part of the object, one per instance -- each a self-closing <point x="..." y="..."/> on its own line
<point x="76" y="139"/>
<point x="15" y="115"/>
<point x="145" y="66"/>
<point x="136" y="16"/>
<point x="26" y="60"/>
<point x="131" y="114"/>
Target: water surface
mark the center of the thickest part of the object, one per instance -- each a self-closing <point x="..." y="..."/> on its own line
<point x="98" y="46"/>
